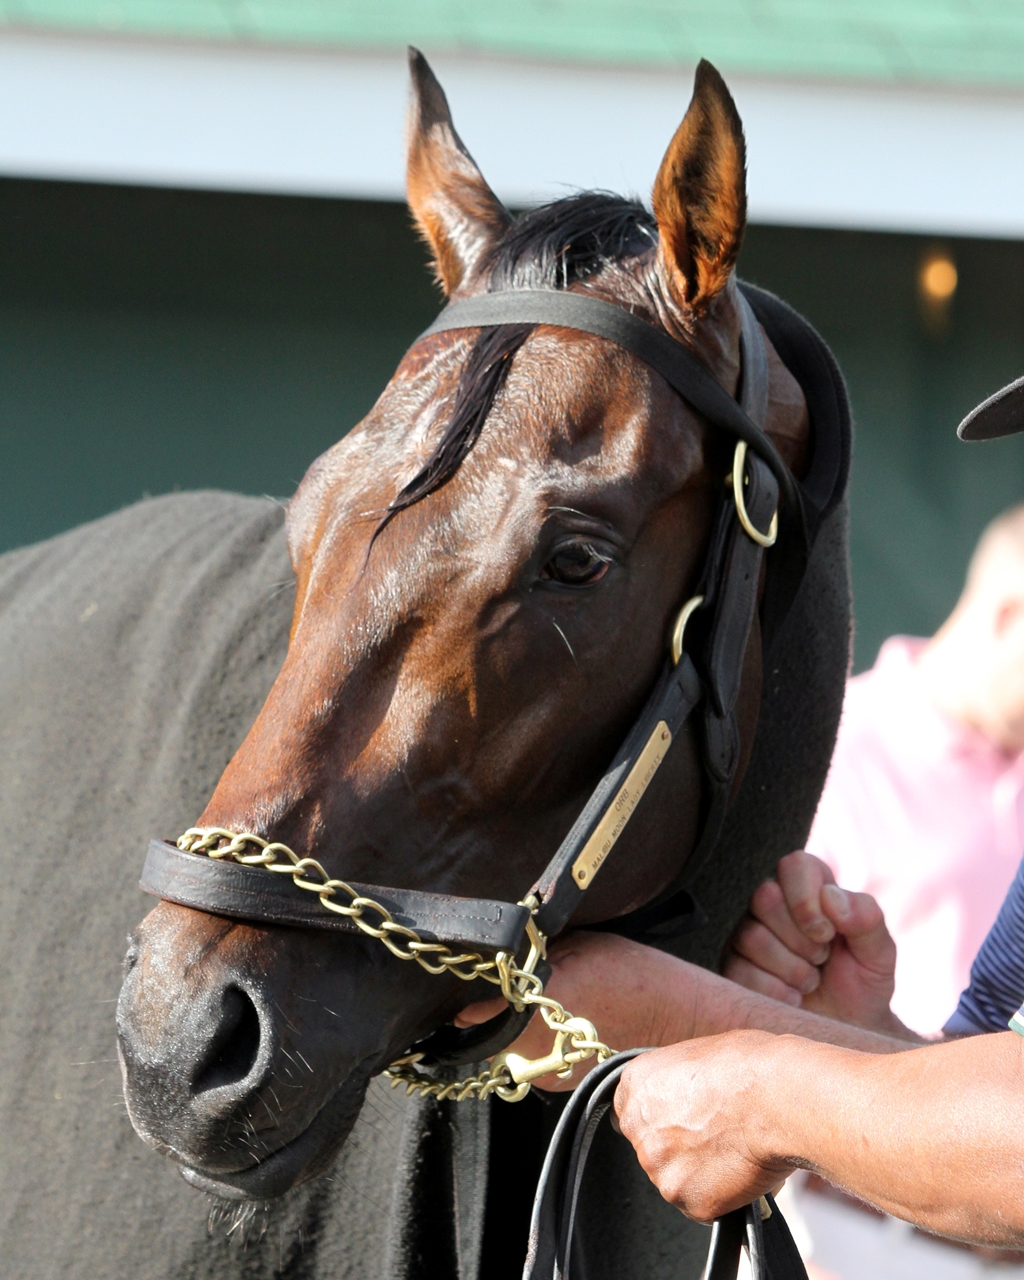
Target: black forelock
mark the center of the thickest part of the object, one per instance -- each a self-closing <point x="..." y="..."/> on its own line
<point x="549" y="247"/>
<point x="556" y="244"/>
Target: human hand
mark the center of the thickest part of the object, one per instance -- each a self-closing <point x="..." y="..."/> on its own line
<point x="622" y="987"/>
<point x="694" y="1113"/>
<point x="813" y="945"/>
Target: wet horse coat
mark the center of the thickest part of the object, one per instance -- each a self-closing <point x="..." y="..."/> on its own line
<point x="115" y="641"/>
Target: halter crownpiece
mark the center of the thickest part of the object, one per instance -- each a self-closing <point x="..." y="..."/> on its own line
<point x="231" y="879"/>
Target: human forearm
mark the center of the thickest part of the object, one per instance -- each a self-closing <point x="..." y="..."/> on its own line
<point x="932" y="1136"/>
<point x="719" y="1005"/>
<point x="638" y="997"/>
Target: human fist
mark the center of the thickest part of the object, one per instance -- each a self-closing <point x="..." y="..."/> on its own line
<point x="813" y="945"/>
<point x="693" y="1113"/>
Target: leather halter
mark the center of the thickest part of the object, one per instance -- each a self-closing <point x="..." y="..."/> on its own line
<point x="706" y="678"/>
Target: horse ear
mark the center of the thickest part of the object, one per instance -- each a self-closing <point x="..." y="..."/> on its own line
<point x="457" y="213"/>
<point x="700" y="195"/>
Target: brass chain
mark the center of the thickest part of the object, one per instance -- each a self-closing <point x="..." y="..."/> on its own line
<point x="509" y="1075"/>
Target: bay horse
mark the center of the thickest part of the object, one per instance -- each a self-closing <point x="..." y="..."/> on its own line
<point x="485" y="572"/>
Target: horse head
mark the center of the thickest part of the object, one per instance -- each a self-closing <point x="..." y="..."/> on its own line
<point x="487" y="568"/>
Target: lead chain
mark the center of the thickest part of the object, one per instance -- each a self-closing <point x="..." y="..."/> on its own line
<point x="509" y="1075"/>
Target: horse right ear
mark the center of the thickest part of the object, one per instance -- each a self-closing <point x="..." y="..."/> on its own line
<point x="457" y="213"/>
<point x="700" y="195"/>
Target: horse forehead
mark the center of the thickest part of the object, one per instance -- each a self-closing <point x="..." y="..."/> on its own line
<point x="564" y="387"/>
<point x="577" y="408"/>
<point x="578" y="417"/>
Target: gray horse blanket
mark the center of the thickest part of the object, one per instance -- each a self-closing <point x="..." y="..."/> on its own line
<point x="134" y="654"/>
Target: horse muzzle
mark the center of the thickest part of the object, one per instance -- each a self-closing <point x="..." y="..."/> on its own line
<point x="219" y="1072"/>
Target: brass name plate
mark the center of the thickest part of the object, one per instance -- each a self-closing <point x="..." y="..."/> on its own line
<point x="621" y="809"/>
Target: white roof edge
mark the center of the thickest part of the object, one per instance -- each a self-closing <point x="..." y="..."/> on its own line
<point x="253" y="118"/>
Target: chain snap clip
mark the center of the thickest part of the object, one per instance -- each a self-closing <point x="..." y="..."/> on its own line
<point x="581" y="1035"/>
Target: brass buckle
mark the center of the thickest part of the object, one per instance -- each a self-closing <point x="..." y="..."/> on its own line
<point x="739" y="459"/>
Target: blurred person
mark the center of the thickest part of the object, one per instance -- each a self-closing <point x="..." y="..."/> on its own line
<point x="924" y="803"/>
<point x="928" y="1133"/>
<point x="819" y="948"/>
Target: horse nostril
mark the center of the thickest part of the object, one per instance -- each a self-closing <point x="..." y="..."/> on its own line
<point x="232" y="1051"/>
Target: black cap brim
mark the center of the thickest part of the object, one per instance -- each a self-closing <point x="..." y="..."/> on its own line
<point x="999" y="415"/>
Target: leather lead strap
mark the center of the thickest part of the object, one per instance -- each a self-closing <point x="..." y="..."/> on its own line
<point x="773" y="1254"/>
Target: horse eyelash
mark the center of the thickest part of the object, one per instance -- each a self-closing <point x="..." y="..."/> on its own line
<point x="603" y="556"/>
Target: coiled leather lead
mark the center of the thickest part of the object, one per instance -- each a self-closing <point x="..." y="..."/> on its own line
<point x="773" y="1254"/>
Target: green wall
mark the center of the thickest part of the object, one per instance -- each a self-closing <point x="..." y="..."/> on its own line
<point x="919" y="497"/>
<point x="153" y="340"/>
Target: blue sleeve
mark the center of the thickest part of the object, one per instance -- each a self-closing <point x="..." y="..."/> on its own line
<point x="997" y="974"/>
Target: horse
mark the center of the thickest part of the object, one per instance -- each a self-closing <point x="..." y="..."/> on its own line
<point x="485" y="570"/>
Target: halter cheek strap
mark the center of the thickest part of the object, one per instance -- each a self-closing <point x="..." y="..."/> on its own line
<point x="722" y="609"/>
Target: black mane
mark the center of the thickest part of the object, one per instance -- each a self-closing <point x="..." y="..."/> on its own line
<point x="557" y="244"/>
<point x="549" y="247"/>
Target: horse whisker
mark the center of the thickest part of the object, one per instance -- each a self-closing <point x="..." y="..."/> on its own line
<point x="567" y="644"/>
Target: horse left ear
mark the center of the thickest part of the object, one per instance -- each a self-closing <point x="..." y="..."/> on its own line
<point x="700" y="195"/>
<point x="457" y="213"/>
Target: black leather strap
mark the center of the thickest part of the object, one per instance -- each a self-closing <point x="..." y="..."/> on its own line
<point x="807" y="357"/>
<point x="674" y="697"/>
<point x="729" y="584"/>
<point x="773" y="1255"/>
<point x="769" y="1244"/>
<point x="678" y="366"/>
<point x="451" y="1046"/>
<point x="225" y="888"/>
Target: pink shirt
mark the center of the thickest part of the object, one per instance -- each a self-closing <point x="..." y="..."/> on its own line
<point x="927" y="815"/>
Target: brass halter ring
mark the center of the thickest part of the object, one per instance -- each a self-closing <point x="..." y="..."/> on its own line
<point x="679" y="630"/>
<point x="739" y="460"/>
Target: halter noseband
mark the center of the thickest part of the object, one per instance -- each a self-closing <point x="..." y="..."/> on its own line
<point x="764" y="501"/>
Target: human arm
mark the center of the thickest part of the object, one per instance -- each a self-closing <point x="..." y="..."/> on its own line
<point x="931" y="1135"/>
<point x="637" y="997"/>
<point x="804" y="943"/>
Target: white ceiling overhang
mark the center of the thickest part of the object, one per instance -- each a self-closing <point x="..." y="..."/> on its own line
<point x="315" y="122"/>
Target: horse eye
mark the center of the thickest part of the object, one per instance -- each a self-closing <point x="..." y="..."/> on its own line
<point x="576" y="564"/>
